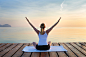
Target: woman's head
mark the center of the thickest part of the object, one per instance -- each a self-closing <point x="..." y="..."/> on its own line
<point x="42" y="25"/>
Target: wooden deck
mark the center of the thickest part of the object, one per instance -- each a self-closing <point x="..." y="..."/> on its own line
<point x="74" y="49"/>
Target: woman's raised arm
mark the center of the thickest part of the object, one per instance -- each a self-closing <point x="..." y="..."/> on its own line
<point x="37" y="31"/>
<point x="53" y="26"/>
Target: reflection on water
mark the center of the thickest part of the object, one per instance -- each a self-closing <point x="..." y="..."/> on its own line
<point x="69" y="34"/>
<point x="27" y="35"/>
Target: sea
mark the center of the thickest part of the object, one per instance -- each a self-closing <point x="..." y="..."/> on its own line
<point x="28" y="35"/>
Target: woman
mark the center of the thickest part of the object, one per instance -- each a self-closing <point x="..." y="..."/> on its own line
<point x="42" y="44"/>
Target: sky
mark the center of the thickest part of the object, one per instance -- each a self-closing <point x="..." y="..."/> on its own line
<point x="72" y="12"/>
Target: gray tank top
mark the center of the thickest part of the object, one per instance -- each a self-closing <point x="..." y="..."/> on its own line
<point x="42" y="39"/>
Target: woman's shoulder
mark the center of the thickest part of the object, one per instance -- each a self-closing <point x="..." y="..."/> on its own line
<point x="43" y="33"/>
<point x="46" y="32"/>
<point x="38" y="32"/>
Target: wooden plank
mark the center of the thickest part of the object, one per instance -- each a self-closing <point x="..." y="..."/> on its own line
<point x="83" y="47"/>
<point x="53" y="54"/>
<point x="44" y="54"/>
<point x="13" y="51"/>
<point x="2" y="53"/>
<point x="74" y="50"/>
<point x="0" y="43"/>
<point x="27" y="54"/>
<point x="79" y="49"/>
<point x="69" y="52"/>
<point x="82" y="43"/>
<point x="85" y="43"/>
<point x="35" y="54"/>
<point x="1" y="49"/>
<point x="60" y="54"/>
<point x="3" y="44"/>
<point x="79" y="54"/>
<point x="20" y="52"/>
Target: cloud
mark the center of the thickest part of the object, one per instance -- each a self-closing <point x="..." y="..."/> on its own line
<point x="62" y="5"/>
<point x="72" y="5"/>
<point x="30" y="8"/>
<point x="40" y="9"/>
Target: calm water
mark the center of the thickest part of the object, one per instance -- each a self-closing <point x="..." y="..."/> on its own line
<point x="27" y="35"/>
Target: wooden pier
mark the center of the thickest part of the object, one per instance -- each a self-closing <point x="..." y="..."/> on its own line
<point x="74" y="49"/>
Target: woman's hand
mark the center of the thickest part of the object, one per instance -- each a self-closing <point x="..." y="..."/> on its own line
<point x="27" y="19"/>
<point x="59" y="20"/>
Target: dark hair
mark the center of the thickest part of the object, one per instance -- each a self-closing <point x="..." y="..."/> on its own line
<point x="42" y="25"/>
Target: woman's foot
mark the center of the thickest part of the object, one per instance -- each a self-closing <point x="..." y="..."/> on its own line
<point x="34" y="44"/>
<point x="50" y="43"/>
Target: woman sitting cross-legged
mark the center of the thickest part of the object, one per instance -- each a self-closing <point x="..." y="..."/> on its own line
<point x="42" y="44"/>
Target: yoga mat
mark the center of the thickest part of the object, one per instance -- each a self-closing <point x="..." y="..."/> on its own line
<point x="52" y="49"/>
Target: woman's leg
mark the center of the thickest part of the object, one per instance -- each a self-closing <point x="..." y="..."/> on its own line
<point x="34" y="44"/>
<point x="50" y="43"/>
